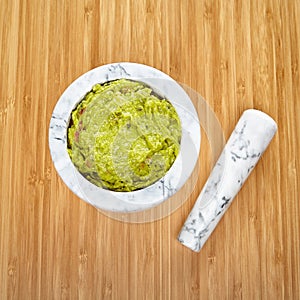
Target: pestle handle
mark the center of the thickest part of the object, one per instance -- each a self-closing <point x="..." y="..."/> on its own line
<point x="251" y="136"/>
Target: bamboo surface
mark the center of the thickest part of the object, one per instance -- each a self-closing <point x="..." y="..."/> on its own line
<point x="237" y="55"/>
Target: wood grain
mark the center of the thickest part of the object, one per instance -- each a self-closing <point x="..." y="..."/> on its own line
<point x="238" y="55"/>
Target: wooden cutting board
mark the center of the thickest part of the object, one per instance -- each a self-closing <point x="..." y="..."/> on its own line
<point x="238" y="55"/>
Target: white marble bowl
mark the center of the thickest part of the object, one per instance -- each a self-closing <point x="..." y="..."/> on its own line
<point x="154" y="194"/>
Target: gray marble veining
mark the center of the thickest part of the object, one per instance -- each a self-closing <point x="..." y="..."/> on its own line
<point x="250" y="138"/>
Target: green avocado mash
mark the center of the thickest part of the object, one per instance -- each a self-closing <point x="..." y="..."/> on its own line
<point x="122" y="136"/>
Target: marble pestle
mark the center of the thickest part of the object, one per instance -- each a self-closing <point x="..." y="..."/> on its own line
<point x="248" y="141"/>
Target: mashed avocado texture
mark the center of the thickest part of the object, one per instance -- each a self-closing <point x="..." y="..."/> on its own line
<point x="122" y="136"/>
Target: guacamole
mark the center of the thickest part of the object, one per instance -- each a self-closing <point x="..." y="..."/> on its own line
<point x="122" y="136"/>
